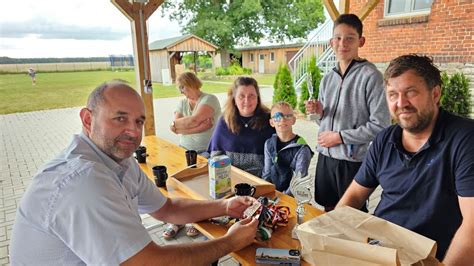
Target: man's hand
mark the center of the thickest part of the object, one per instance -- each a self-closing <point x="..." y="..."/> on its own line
<point x="243" y="232"/>
<point x="329" y="139"/>
<point x="314" y="107"/>
<point x="236" y="206"/>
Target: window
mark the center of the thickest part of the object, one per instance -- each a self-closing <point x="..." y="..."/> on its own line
<point x="251" y="57"/>
<point x="272" y="57"/>
<point x="407" y="7"/>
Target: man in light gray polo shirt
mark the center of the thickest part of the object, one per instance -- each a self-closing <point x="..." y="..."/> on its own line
<point x="83" y="207"/>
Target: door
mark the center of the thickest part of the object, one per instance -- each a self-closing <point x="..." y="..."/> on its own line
<point x="289" y="55"/>
<point x="261" y="63"/>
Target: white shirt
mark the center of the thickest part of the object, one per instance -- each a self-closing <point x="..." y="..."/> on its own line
<point x="83" y="208"/>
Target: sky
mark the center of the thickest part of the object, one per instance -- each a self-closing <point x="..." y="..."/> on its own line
<point x="71" y="28"/>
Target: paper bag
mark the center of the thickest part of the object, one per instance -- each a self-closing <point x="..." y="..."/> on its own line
<point x="341" y="237"/>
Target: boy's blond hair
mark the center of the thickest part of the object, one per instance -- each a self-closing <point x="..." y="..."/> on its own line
<point x="281" y="104"/>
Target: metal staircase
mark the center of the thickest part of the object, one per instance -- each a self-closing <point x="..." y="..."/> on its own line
<point x="318" y="45"/>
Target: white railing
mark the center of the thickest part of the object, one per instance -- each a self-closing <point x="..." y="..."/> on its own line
<point x="317" y="46"/>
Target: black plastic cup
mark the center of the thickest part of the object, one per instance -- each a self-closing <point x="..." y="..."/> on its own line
<point x="244" y="189"/>
<point x="160" y="174"/>
<point x="140" y="154"/>
<point x="191" y="158"/>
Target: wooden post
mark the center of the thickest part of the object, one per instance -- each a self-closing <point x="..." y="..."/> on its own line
<point x="195" y="62"/>
<point x="138" y="14"/>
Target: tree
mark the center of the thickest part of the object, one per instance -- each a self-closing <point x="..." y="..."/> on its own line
<point x="455" y="95"/>
<point x="227" y="23"/>
<point x="283" y="87"/>
<point x="316" y="77"/>
<point x="276" y="84"/>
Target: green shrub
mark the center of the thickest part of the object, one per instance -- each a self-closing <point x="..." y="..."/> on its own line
<point x="233" y="70"/>
<point x="455" y="95"/>
<point x="204" y="61"/>
<point x="316" y="77"/>
<point x="283" y="87"/>
<point x="221" y="71"/>
<point x="276" y="83"/>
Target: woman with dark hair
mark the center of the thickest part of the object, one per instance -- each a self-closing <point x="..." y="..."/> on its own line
<point x="244" y="127"/>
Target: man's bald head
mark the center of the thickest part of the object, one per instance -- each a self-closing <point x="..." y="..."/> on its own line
<point x="114" y="118"/>
<point x="97" y="96"/>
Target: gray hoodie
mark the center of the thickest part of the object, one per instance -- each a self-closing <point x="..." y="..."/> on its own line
<point x="355" y="106"/>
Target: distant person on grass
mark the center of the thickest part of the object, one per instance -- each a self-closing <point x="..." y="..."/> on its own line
<point x="285" y="152"/>
<point x="83" y="206"/>
<point x="32" y="74"/>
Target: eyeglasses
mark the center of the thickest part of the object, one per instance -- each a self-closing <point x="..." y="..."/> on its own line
<point x="278" y="116"/>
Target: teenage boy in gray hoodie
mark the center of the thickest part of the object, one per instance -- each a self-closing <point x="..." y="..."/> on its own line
<point x="351" y="110"/>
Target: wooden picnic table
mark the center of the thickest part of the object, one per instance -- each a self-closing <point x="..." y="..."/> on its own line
<point x="162" y="152"/>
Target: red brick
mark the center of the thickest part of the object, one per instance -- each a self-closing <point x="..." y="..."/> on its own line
<point x="446" y="32"/>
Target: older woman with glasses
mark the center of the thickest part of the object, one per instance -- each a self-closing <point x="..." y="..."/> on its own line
<point x="194" y="119"/>
<point x="195" y="114"/>
<point x="244" y="127"/>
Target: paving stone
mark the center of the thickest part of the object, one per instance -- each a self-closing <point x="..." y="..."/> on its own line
<point x="3" y="252"/>
<point x="5" y="261"/>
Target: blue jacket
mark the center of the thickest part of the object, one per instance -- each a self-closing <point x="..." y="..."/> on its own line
<point x="279" y="166"/>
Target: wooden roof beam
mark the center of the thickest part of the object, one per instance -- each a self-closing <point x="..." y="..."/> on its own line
<point x="365" y="11"/>
<point x="125" y="7"/>
<point x="344" y="5"/>
<point x="151" y="7"/>
<point x="332" y="10"/>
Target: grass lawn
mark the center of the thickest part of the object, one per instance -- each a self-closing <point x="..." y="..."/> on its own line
<point x="69" y="89"/>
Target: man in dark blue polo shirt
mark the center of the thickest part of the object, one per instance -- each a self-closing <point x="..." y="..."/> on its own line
<point x="425" y="163"/>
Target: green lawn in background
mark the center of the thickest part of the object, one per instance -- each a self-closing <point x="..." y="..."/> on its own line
<point x="70" y="89"/>
<point x="52" y="90"/>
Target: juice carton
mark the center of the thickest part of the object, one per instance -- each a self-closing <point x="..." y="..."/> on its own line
<point x="219" y="176"/>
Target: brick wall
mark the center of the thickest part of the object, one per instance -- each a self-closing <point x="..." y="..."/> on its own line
<point x="446" y="33"/>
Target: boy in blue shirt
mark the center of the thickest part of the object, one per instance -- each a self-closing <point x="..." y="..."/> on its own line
<point x="285" y="152"/>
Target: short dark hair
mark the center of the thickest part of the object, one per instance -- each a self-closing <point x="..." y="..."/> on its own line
<point x="96" y="98"/>
<point x="350" y="20"/>
<point x="422" y="66"/>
